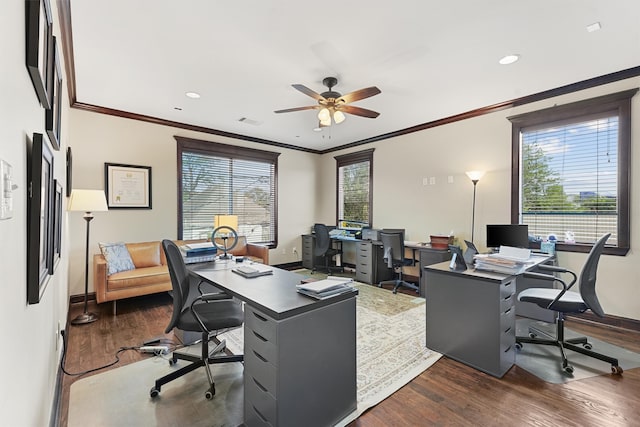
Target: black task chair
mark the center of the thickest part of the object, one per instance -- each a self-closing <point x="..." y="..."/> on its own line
<point x="324" y="249"/>
<point x="564" y="301"/>
<point x="209" y="314"/>
<point x="393" y="246"/>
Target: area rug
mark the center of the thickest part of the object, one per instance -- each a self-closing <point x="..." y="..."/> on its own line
<point x="544" y="361"/>
<point x="390" y="352"/>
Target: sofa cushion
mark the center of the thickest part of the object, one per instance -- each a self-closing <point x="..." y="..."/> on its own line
<point x="117" y="257"/>
<point x="138" y="278"/>
<point x="145" y="254"/>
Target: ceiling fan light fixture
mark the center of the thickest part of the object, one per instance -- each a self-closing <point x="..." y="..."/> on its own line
<point x="338" y="117"/>
<point x="325" y="123"/>
<point x="324" y="115"/>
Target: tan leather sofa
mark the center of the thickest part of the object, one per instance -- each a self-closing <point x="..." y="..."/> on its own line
<point x="151" y="274"/>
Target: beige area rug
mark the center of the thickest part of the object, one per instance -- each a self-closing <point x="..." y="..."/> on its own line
<point x="390" y="352"/>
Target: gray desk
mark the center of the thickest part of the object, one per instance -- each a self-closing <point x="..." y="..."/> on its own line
<point x="471" y="316"/>
<point x="300" y="354"/>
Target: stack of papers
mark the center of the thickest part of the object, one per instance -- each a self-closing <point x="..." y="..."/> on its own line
<point x="498" y="264"/>
<point x="326" y="288"/>
<point x="253" y="270"/>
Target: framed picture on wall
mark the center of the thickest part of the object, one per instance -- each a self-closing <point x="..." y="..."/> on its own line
<point x="53" y="114"/>
<point x="56" y="239"/>
<point x="127" y="186"/>
<point x="39" y="216"/>
<point x="39" y="38"/>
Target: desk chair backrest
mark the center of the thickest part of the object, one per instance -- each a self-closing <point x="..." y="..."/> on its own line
<point x="179" y="280"/>
<point x="393" y="245"/>
<point x="588" y="277"/>
<point x="323" y="241"/>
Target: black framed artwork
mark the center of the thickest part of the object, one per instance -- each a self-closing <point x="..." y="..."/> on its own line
<point x="127" y="186"/>
<point x="39" y="38"/>
<point x="69" y="171"/>
<point x="39" y="216"/>
<point x="56" y="238"/>
<point x="53" y="114"/>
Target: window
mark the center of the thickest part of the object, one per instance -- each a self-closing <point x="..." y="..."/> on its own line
<point x="355" y="186"/>
<point x="571" y="172"/>
<point x="218" y="179"/>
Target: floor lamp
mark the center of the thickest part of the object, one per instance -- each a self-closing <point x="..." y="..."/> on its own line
<point x="474" y="176"/>
<point x="87" y="201"/>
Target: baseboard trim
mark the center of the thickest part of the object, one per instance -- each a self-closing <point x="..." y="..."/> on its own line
<point x="56" y="406"/>
<point x="608" y="320"/>
<point x="75" y="299"/>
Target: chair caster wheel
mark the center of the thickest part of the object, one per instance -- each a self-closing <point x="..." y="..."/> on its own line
<point x="172" y="362"/>
<point x="567" y="368"/>
<point x="210" y="393"/>
<point x="518" y="346"/>
<point x="532" y="335"/>
<point x="154" y="392"/>
<point x="616" y="370"/>
<point x="587" y="345"/>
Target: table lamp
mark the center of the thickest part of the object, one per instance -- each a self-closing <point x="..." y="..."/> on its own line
<point x="227" y="224"/>
<point x="87" y="201"/>
<point x="474" y="176"/>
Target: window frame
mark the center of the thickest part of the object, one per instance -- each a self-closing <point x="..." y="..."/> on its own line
<point x="232" y="152"/>
<point x="619" y="102"/>
<point x="349" y="159"/>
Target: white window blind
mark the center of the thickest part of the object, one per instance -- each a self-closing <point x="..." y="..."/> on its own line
<point x="354" y="186"/>
<point x="570" y="178"/>
<point x="215" y="180"/>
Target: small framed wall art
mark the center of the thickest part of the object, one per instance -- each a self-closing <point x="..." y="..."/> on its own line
<point x="127" y="186"/>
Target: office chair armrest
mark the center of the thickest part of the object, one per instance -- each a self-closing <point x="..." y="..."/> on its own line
<point x="540" y="276"/>
<point x="553" y="268"/>
<point x="218" y="296"/>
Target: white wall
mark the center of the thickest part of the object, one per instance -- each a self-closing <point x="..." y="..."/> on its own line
<point x="31" y="353"/>
<point x="96" y="139"/>
<point x="401" y="200"/>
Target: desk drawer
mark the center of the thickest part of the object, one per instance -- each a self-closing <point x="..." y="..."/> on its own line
<point x="507" y="302"/>
<point x="261" y="324"/>
<point x="253" y="341"/>
<point x="507" y="289"/>
<point x="260" y="400"/>
<point x="364" y="276"/>
<point x="260" y="370"/>
<point x="507" y="319"/>
<point x="254" y="418"/>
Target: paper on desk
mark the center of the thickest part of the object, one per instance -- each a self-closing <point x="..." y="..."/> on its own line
<point x="325" y="285"/>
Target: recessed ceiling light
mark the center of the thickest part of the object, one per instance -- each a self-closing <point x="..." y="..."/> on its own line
<point x="192" y="95"/>
<point x="509" y="59"/>
<point x="594" y="27"/>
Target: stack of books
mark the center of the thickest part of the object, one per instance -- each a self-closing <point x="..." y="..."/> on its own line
<point x="198" y="252"/>
<point x="508" y="261"/>
<point x="322" y="289"/>
<point x="253" y="270"/>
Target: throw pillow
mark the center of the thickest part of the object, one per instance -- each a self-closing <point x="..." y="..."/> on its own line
<point x="117" y="256"/>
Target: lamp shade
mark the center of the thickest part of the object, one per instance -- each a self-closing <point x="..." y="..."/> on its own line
<point x="475" y="175"/>
<point x="226" y="220"/>
<point x="338" y="117"/>
<point x="87" y="201"/>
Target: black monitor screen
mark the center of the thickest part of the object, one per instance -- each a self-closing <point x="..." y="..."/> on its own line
<point x="516" y="235"/>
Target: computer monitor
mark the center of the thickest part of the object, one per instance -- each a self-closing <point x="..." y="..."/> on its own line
<point x="516" y="235"/>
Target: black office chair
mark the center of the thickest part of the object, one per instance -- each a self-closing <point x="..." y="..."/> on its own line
<point x="565" y="301"/>
<point x="324" y="249"/>
<point x="393" y="246"/>
<point x="209" y="313"/>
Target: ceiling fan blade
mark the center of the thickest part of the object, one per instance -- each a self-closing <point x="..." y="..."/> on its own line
<point x="311" y="93"/>
<point x="359" y="94"/>
<point x="289" y="110"/>
<point x="357" y="111"/>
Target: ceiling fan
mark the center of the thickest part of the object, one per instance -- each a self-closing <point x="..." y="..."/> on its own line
<point x="333" y="105"/>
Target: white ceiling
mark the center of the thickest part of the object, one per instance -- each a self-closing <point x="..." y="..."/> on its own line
<point x="430" y="59"/>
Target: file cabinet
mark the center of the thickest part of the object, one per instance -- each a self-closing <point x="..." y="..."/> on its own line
<point x="286" y="377"/>
<point x="471" y="317"/>
<point x="430" y="256"/>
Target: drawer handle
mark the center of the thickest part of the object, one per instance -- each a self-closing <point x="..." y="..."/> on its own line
<point x="259" y="356"/>
<point x="259" y="414"/>
<point x="260" y="337"/>
<point x="260" y="386"/>
<point x="508" y="329"/>
<point x="508" y="298"/>
<point x="508" y="310"/>
<point x="264" y="319"/>
<point x="507" y="350"/>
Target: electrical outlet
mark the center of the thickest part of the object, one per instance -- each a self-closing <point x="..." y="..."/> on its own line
<point x="294" y="251"/>
<point x="432" y="180"/>
<point x="425" y="181"/>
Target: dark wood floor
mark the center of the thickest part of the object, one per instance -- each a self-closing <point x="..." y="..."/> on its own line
<point x="449" y="393"/>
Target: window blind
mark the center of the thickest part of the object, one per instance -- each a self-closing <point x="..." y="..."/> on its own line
<point x="570" y="178"/>
<point x="354" y="186"/>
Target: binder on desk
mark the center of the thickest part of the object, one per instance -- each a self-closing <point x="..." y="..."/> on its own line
<point x="255" y="270"/>
<point x="326" y="288"/>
